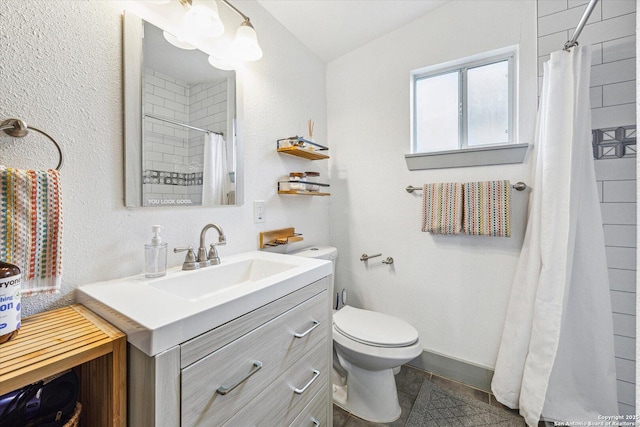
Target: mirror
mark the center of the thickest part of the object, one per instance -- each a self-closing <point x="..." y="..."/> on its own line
<point x="180" y="146"/>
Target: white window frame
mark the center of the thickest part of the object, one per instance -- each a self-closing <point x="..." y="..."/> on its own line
<point x="462" y="66"/>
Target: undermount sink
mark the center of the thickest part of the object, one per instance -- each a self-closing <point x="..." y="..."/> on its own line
<point x="157" y="314"/>
<point x="208" y="281"/>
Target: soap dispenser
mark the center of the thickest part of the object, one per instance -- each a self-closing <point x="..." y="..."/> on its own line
<point x="155" y="255"/>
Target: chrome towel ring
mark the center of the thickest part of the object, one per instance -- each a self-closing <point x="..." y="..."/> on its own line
<point x="19" y="129"/>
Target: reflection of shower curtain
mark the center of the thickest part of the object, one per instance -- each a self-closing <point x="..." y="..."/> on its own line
<point x="556" y="355"/>
<point x="215" y="175"/>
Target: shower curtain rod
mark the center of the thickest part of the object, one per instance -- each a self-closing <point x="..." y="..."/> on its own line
<point x="182" y="124"/>
<point x="585" y="17"/>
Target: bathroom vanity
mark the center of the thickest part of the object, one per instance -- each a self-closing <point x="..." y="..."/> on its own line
<point x="243" y="343"/>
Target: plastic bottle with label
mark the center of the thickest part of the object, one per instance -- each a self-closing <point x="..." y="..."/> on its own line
<point x="10" y="280"/>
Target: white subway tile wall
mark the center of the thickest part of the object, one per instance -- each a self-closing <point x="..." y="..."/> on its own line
<point x="172" y="152"/>
<point x="617" y="179"/>
<point x="207" y="103"/>
<point x="166" y="144"/>
<point x="207" y="110"/>
<point x="611" y="32"/>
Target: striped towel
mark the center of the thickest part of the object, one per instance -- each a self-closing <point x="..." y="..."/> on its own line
<point x="442" y="208"/>
<point x="487" y="208"/>
<point x="31" y="226"/>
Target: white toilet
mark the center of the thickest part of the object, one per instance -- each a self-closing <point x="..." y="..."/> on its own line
<point x="367" y="346"/>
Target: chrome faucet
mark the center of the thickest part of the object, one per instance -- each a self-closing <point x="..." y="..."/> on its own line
<point x="206" y="259"/>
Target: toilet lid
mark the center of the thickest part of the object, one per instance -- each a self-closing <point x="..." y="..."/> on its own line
<point x="373" y="328"/>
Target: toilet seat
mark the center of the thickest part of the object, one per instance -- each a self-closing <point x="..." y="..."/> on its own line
<point x="374" y="329"/>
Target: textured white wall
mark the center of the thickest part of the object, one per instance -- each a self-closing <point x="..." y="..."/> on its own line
<point x="454" y="290"/>
<point x="62" y="72"/>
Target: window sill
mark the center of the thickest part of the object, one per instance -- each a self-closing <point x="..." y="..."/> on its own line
<point x="485" y="156"/>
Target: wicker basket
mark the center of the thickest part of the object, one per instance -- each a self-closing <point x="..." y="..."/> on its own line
<point x="74" y="421"/>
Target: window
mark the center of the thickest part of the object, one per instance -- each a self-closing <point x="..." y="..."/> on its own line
<point x="468" y="105"/>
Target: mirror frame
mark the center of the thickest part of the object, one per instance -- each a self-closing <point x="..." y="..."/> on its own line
<point x="133" y="130"/>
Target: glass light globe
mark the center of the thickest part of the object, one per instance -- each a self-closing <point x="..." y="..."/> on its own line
<point x="245" y="46"/>
<point x="177" y="41"/>
<point x="205" y="19"/>
<point x="221" y="63"/>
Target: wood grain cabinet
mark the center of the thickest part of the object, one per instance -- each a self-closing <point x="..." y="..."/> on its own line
<point x="269" y="367"/>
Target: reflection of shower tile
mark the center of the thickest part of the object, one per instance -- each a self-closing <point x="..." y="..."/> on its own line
<point x="152" y="176"/>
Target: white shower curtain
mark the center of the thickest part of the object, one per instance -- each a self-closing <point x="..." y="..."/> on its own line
<point x="215" y="174"/>
<point x="556" y="357"/>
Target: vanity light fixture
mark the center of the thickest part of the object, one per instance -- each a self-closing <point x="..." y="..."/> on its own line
<point x="245" y="46"/>
<point x="177" y="41"/>
<point x="205" y="20"/>
<point x="221" y="63"/>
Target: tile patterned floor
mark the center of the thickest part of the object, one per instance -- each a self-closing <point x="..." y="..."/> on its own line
<point x="409" y="381"/>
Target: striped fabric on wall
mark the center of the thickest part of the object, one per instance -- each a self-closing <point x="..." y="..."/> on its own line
<point x="487" y="208"/>
<point x="442" y="208"/>
<point x="31" y="226"/>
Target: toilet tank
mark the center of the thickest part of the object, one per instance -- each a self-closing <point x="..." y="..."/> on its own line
<point x="321" y="252"/>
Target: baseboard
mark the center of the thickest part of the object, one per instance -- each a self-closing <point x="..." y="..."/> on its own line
<point x="457" y="370"/>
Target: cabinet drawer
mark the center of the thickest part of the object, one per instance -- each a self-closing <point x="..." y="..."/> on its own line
<point x="315" y="414"/>
<point x="289" y="395"/>
<point x="253" y="362"/>
<point x="203" y="345"/>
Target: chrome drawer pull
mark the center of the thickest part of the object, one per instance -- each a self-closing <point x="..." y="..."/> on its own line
<point x="303" y="389"/>
<point x="308" y="331"/>
<point x="315" y="422"/>
<point x="257" y="365"/>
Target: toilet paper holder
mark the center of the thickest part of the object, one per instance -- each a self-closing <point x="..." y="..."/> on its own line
<point x="387" y="260"/>
<point x="366" y="257"/>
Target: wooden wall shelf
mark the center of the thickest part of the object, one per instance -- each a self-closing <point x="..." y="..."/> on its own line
<point x="282" y="236"/>
<point x="303" y="193"/>
<point x="71" y="337"/>
<point x="303" y="152"/>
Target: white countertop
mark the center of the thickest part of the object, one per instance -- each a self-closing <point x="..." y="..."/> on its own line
<point x="155" y="320"/>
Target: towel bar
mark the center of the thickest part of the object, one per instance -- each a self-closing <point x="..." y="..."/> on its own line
<point x="519" y="186"/>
